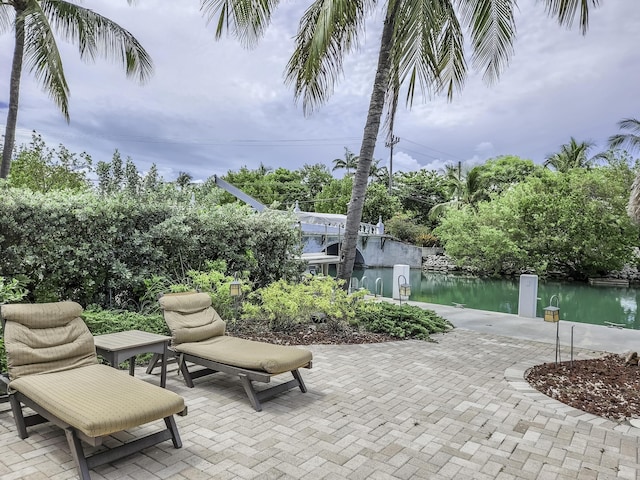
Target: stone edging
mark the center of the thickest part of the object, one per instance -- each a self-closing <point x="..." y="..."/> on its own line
<point x="514" y="375"/>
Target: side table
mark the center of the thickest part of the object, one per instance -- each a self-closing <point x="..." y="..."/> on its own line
<point x="118" y="347"/>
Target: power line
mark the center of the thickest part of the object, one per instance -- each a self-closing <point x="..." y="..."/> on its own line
<point x="435" y="150"/>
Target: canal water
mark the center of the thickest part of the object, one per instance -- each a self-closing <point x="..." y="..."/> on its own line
<point x="578" y="302"/>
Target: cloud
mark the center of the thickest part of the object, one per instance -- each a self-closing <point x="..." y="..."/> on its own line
<point x="213" y="106"/>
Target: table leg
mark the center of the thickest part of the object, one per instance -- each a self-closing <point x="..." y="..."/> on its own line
<point x="163" y="367"/>
<point x="132" y="365"/>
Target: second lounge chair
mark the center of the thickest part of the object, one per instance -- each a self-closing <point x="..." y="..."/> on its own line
<point x="198" y="336"/>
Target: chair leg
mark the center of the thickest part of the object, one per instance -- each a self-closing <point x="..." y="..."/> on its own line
<point x="170" y="422"/>
<point x="78" y="454"/>
<point x="251" y="393"/>
<point x="298" y="377"/>
<point x="18" y="417"/>
<point x="188" y="381"/>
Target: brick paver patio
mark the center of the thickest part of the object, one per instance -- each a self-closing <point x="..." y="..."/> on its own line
<point x="455" y="409"/>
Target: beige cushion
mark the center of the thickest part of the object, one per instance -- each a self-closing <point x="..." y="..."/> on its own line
<point x="190" y="317"/>
<point x="99" y="400"/>
<point x="249" y="354"/>
<point x="46" y="337"/>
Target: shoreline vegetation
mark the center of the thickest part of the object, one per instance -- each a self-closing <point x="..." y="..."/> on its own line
<point x="441" y="263"/>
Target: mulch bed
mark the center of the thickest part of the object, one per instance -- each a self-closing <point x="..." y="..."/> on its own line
<point x="606" y="386"/>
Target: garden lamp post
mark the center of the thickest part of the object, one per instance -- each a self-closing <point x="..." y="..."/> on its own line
<point x="404" y="288"/>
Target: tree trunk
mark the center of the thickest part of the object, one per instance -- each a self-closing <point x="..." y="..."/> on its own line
<point x="14" y="92"/>
<point x="371" y="129"/>
<point x="633" y="207"/>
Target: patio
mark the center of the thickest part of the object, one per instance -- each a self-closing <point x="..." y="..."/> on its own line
<point x="458" y="408"/>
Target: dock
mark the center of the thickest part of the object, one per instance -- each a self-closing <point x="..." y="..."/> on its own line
<point x="608" y="282"/>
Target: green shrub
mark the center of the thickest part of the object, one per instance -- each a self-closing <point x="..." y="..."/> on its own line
<point x="10" y="291"/>
<point x="427" y="240"/>
<point x="110" y="321"/>
<point x="100" y="249"/>
<point x="283" y="304"/>
<point x="405" y="228"/>
<point x="402" y="321"/>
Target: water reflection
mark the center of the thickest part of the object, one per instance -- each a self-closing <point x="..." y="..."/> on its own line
<point x="578" y="302"/>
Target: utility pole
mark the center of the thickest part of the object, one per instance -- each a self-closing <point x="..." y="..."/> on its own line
<point x="390" y="145"/>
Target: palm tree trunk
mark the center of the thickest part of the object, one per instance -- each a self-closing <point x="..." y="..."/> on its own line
<point x="14" y="92"/>
<point x="371" y="129"/>
<point x="633" y="207"/>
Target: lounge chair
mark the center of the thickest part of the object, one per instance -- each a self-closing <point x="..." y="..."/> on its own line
<point x="53" y="369"/>
<point x="198" y="336"/>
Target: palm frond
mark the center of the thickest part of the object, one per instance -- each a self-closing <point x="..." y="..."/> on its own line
<point x="428" y="48"/>
<point x="42" y="56"/>
<point x="624" y="140"/>
<point x="493" y="31"/>
<point x="630" y="141"/>
<point x="96" y="35"/>
<point x="328" y="30"/>
<point x="632" y="124"/>
<point x="565" y="11"/>
<point x="6" y="18"/>
<point x="247" y="20"/>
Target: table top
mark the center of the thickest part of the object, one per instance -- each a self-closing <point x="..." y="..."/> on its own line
<point x="129" y="339"/>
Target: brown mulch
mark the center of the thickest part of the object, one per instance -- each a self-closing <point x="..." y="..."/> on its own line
<point x="605" y="386"/>
<point x="313" y="335"/>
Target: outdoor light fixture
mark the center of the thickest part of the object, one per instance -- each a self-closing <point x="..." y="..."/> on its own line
<point x="552" y="312"/>
<point x="404" y="289"/>
<point x="235" y="287"/>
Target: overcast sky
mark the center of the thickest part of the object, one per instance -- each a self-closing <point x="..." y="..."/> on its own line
<point x="211" y="107"/>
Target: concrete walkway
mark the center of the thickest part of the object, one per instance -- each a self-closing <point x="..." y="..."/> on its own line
<point x="594" y="337"/>
<point x="456" y="408"/>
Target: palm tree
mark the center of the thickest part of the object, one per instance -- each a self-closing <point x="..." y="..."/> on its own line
<point x="571" y="155"/>
<point x="422" y="44"/>
<point x="466" y="189"/>
<point x="183" y="180"/>
<point x="34" y="23"/>
<point x="349" y="162"/>
<point x="629" y="140"/>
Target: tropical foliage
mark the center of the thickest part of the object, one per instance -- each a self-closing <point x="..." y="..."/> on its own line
<point x="44" y="169"/>
<point x="572" y="224"/>
<point x="421" y="48"/>
<point x="35" y="24"/>
<point x="96" y="249"/>
<point x="630" y="139"/>
<point x="571" y="155"/>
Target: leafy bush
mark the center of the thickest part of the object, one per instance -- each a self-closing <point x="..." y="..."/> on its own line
<point x="284" y="304"/>
<point x="10" y="291"/>
<point x="110" y="321"/>
<point x="427" y="240"/>
<point x="99" y="250"/>
<point x="570" y="224"/>
<point x="404" y="228"/>
<point x="402" y="321"/>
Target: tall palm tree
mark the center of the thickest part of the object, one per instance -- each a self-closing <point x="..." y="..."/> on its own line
<point x="571" y="155"/>
<point x="422" y="45"/>
<point x="349" y="162"/>
<point x="34" y="23"/>
<point x="629" y="140"/>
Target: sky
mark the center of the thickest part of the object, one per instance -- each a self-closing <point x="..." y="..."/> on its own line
<point x="214" y="106"/>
